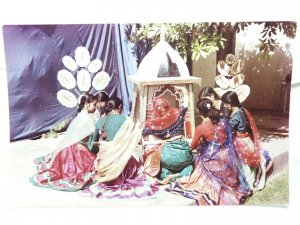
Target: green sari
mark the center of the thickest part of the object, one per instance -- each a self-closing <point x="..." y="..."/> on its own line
<point x="176" y="157"/>
<point x="111" y="124"/>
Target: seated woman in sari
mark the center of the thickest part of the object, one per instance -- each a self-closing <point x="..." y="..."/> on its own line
<point x="255" y="161"/>
<point x="215" y="179"/>
<point x="70" y="167"/>
<point x="173" y="158"/>
<point x="118" y="160"/>
<point x="102" y="98"/>
<point x="211" y="94"/>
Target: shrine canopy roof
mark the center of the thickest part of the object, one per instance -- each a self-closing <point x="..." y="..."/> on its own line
<point x="162" y="65"/>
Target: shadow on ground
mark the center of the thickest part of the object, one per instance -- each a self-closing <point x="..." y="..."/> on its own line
<point x="268" y="134"/>
<point x="276" y="192"/>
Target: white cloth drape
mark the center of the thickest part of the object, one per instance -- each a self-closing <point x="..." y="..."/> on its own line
<point x="114" y="155"/>
<point x="81" y="126"/>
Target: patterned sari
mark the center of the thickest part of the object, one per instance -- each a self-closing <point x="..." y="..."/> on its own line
<point x="248" y="148"/>
<point x="71" y="170"/>
<point x="173" y="158"/>
<point x="215" y="179"/>
<point x="70" y="167"/>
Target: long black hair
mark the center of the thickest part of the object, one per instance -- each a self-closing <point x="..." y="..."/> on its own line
<point x="113" y="103"/>
<point x="206" y="109"/>
<point x="102" y="96"/>
<point x="86" y="98"/>
<point x="230" y="97"/>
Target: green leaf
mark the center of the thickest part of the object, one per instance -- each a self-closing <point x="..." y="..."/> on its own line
<point x="203" y="54"/>
<point x="264" y="34"/>
<point x="194" y="55"/>
<point x="272" y="48"/>
<point x="222" y="44"/>
<point x="262" y="47"/>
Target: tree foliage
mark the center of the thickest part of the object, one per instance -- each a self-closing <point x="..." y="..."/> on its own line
<point x="195" y="40"/>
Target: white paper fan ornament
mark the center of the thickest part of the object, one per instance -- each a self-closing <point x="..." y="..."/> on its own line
<point x="95" y="66"/>
<point x="223" y="68"/>
<point x="82" y="56"/>
<point x="66" y="79"/>
<point x="83" y="80"/>
<point x="67" y="98"/>
<point x="101" y="80"/>
<point x="222" y="81"/>
<point x="69" y="63"/>
<point x="237" y="67"/>
<point x="78" y="74"/>
<point x="237" y="80"/>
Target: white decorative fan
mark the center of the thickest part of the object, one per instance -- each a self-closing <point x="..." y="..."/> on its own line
<point x="66" y="79"/>
<point x="83" y="80"/>
<point x="69" y="63"/>
<point x="95" y="66"/>
<point x="101" y="80"/>
<point x="82" y="70"/>
<point x="237" y="67"/>
<point x="231" y="77"/>
<point x="223" y="68"/>
<point x="82" y="56"/>
<point x="237" y="80"/>
<point x="67" y="98"/>
<point x="222" y="81"/>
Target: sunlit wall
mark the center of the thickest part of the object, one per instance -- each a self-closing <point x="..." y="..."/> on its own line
<point x="266" y="77"/>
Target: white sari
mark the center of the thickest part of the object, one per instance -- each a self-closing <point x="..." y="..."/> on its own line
<point x="114" y="155"/>
<point x="81" y="126"/>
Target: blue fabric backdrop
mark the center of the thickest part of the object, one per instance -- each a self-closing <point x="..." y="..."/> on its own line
<point x="34" y="56"/>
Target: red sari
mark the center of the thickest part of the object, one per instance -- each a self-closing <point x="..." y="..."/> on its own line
<point x="71" y="170"/>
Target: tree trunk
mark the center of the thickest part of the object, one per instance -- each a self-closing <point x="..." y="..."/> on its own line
<point x="189" y="63"/>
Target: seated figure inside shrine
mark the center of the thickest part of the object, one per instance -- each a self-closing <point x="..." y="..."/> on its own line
<point x="173" y="157"/>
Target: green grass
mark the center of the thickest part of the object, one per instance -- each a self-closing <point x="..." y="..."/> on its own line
<point x="276" y="191"/>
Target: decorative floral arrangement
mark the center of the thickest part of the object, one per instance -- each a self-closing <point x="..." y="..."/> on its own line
<point x="53" y="133"/>
<point x="208" y="105"/>
<point x="231" y="78"/>
<point x="81" y="72"/>
<point x="79" y="77"/>
<point x="230" y="72"/>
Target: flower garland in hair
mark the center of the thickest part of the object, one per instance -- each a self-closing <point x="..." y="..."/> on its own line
<point x="208" y="105"/>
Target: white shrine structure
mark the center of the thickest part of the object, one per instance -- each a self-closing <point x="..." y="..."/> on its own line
<point x="159" y="73"/>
